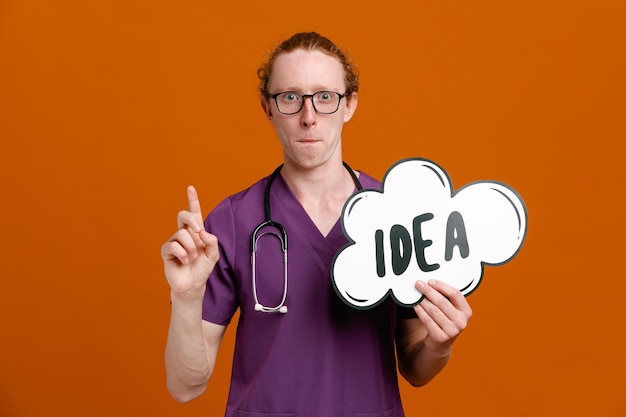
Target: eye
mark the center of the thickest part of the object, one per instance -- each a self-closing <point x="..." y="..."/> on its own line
<point x="289" y="97"/>
<point x="324" y="96"/>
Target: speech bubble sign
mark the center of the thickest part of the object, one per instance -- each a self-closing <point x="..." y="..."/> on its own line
<point x="417" y="227"/>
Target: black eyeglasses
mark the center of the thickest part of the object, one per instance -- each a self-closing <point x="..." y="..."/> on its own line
<point x="324" y="102"/>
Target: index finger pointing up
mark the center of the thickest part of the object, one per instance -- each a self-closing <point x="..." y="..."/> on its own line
<point x="194" y="202"/>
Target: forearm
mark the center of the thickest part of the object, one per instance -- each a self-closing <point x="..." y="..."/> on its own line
<point x="420" y="364"/>
<point x="186" y="359"/>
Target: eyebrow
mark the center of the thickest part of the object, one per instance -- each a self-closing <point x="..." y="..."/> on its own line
<point x="315" y="89"/>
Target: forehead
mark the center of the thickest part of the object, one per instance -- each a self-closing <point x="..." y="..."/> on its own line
<point x="307" y="71"/>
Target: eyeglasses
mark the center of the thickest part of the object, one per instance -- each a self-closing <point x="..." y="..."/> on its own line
<point x="324" y="102"/>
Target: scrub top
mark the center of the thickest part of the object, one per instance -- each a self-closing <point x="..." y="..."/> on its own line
<point x="320" y="359"/>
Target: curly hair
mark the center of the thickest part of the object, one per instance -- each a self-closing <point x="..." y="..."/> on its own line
<point x="309" y="41"/>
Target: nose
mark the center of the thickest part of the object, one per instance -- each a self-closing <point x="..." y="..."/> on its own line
<point x="308" y="115"/>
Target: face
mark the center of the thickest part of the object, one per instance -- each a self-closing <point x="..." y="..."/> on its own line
<point x="309" y="139"/>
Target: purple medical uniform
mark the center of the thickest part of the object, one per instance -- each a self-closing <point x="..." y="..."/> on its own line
<point x="322" y="358"/>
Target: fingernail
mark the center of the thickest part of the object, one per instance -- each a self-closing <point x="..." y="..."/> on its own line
<point x="432" y="282"/>
<point x="420" y="284"/>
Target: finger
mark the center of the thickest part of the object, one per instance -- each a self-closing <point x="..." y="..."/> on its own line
<point x="192" y="221"/>
<point x="208" y="239"/>
<point x="210" y="246"/>
<point x="444" y="296"/>
<point x="441" y="330"/>
<point x="435" y="315"/>
<point x="443" y="288"/>
<point x="193" y="201"/>
<point x="189" y="241"/>
<point x="174" y="251"/>
<point x="430" y="292"/>
<point x="448" y="308"/>
<point x="430" y="323"/>
<point x="451" y="293"/>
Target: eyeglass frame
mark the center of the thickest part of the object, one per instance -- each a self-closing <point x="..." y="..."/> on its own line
<point x="304" y="97"/>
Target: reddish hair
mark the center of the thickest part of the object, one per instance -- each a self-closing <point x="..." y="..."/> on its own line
<point x="309" y="41"/>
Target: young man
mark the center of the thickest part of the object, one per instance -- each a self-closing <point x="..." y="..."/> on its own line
<point x="300" y="350"/>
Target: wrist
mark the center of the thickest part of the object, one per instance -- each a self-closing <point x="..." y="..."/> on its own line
<point x="190" y="296"/>
<point x="436" y="349"/>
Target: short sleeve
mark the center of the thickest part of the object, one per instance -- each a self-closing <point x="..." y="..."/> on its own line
<point x="220" y="298"/>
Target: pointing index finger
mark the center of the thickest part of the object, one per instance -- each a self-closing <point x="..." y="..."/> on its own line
<point x="194" y="202"/>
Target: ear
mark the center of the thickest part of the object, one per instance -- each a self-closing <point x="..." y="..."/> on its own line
<point x="351" y="103"/>
<point x="267" y="107"/>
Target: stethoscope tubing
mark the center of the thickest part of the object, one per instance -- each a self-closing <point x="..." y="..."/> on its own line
<point x="271" y="227"/>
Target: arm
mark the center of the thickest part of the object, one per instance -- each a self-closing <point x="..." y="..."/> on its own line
<point x="424" y="344"/>
<point x="189" y="256"/>
<point x="191" y="351"/>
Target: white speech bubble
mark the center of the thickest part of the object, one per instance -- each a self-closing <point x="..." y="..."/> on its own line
<point x="416" y="227"/>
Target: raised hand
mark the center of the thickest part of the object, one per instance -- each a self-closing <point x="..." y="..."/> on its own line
<point x="191" y="253"/>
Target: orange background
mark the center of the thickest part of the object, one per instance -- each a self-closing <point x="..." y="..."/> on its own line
<point x="109" y="109"/>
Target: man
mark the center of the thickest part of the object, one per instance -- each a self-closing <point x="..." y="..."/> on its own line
<point x="299" y="351"/>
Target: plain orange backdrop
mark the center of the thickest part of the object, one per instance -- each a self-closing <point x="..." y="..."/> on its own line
<point x="109" y="109"/>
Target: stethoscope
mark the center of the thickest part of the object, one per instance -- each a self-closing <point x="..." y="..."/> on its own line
<point x="270" y="227"/>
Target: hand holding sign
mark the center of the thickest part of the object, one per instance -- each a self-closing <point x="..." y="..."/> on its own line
<point x="417" y="228"/>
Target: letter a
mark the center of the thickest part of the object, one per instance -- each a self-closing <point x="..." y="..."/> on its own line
<point x="456" y="236"/>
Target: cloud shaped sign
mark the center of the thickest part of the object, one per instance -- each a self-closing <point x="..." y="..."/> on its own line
<point x="417" y="227"/>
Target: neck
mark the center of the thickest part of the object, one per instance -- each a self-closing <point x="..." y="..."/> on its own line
<point x="324" y="180"/>
<point x="322" y="191"/>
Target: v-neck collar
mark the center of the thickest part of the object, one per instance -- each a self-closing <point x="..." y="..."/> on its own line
<point x="301" y="223"/>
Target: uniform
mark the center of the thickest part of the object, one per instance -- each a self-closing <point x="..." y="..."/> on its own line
<point x="321" y="359"/>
